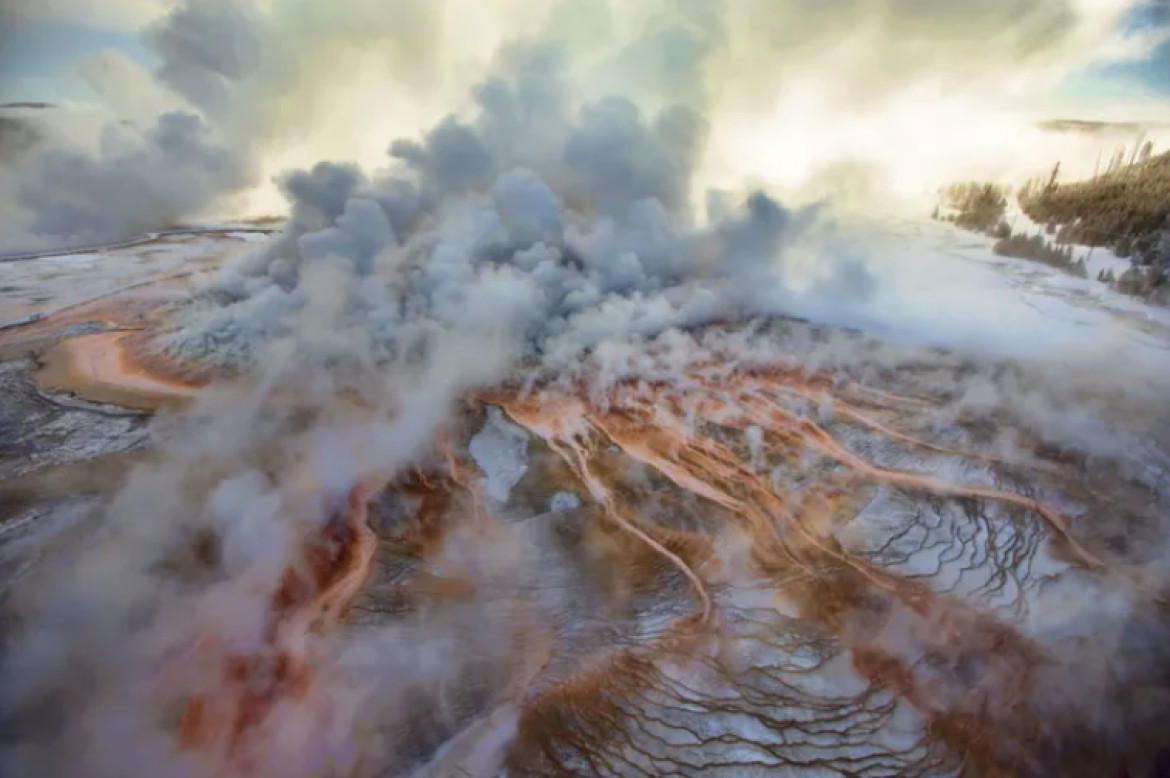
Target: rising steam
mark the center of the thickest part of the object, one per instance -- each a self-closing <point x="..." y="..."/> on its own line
<point x="772" y="546"/>
<point x="902" y="97"/>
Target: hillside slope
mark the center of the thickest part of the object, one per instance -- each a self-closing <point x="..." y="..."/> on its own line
<point x="1126" y="210"/>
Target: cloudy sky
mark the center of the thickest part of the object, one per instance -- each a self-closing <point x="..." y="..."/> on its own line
<point x="1149" y="75"/>
<point x="808" y="96"/>
<point x="44" y="44"/>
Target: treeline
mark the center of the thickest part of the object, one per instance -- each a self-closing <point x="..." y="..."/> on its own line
<point x="981" y="207"/>
<point x="1116" y="209"/>
<point x="1038" y="249"/>
<point x="1125" y="209"/>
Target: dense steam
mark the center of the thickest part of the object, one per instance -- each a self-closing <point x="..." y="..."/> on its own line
<point x="728" y="542"/>
<point x="764" y="564"/>
<point x="873" y="92"/>
<point x="548" y="224"/>
<point x="153" y="180"/>
<point x="158" y="171"/>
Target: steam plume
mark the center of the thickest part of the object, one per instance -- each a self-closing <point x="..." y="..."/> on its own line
<point x="795" y="550"/>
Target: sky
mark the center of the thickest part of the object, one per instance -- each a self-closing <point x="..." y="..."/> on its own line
<point x="1150" y="74"/>
<point x="809" y="98"/>
<point x="44" y="45"/>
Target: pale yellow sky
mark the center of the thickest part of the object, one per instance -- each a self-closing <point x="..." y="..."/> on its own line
<point x="798" y="93"/>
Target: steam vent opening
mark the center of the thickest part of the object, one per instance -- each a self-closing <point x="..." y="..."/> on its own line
<point x="665" y="389"/>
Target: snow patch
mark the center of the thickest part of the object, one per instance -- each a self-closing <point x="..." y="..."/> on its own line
<point x="500" y="450"/>
<point x="564" y="501"/>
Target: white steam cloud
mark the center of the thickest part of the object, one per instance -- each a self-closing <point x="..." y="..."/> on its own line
<point x="549" y="221"/>
<point x="904" y="95"/>
<point x="554" y="215"/>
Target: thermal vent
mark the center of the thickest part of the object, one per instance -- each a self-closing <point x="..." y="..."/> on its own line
<point x="764" y="570"/>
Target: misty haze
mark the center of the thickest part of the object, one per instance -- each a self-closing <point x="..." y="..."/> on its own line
<point x="438" y="388"/>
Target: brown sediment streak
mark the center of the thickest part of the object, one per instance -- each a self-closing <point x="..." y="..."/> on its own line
<point x="562" y="427"/>
<point x="882" y="397"/>
<point x="465" y="480"/>
<point x="126" y="313"/>
<point x="100" y="367"/>
<point x="782" y="422"/>
<point x="662" y="428"/>
<point x="817" y="389"/>
<point x="854" y="414"/>
<point x="693" y="439"/>
<point x="313" y="594"/>
<point x="923" y="642"/>
<point x="747" y="407"/>
<point x="708" y="459"/>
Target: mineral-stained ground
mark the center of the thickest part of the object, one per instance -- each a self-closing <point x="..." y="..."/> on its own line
<point x="729" y="555"/>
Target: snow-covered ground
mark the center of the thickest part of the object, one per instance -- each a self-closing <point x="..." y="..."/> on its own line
<point x="806" y="700"/>
<point x="939" y="285"/>
<point x="1097" y="259"/>
<point x="932" y="283"/>
<point x="42" y="285"/>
